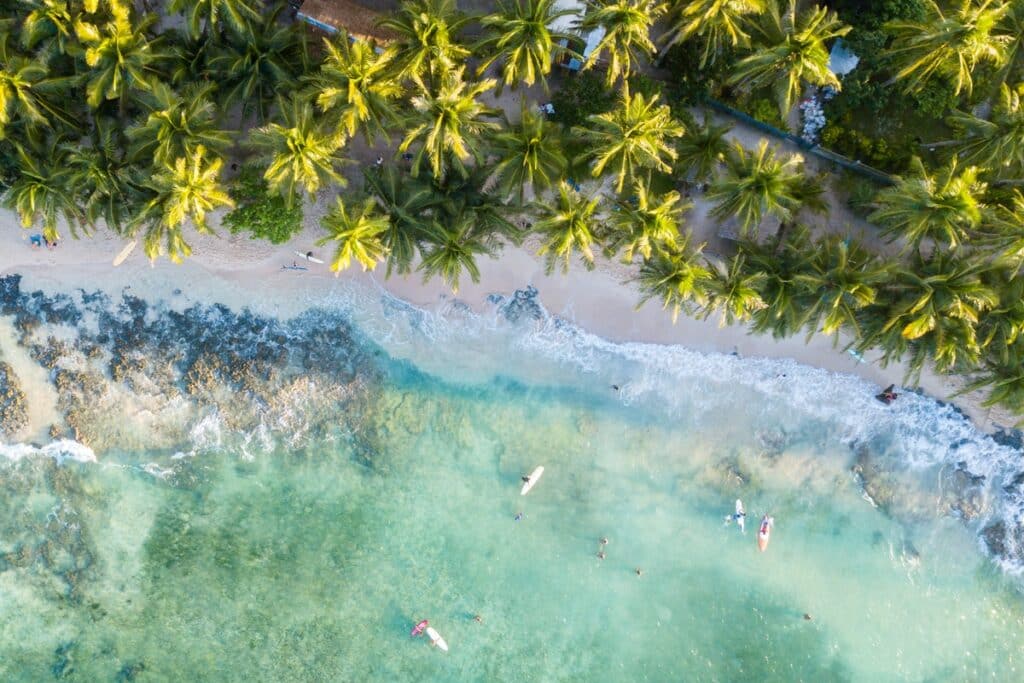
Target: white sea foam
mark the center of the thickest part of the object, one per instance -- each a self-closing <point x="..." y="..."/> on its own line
<point x="61" y="451"/>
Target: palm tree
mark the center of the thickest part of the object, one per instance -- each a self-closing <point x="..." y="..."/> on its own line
<point x="938" y="304"/>
<point x="47" y="20"/>
<point x="448" y="251"/>
<point x="627" y="27"/>
<point x="183" y="193"/>
<point x="177" y="124"/>
<point x="455" y="197"/>
<point x="949" y="44"/>
<point x="254" y="69"/>
<point x="299" y="153"/>
<point x="680" y="278"/>
<point x="567" y="226"/>
<point x="203" y="15"/>
<point x="1011" y="29"/>
<point x="789" y="51"/>
<point x="645" y="222"/>
<point x="27" y="91"/>
<point x="721" y="24"/>
<point x="636" y="135"/>
<point x="356" y="85"/>
<point x="1005" y="382"/>
<point x="427" y="44"/>
<point x="757" y="184"/>
<point x="42" y="190"/>
<point x="120" y="57"/>
<point x="102" y="176"/>
<point x="782" y="263"/>
<point x="701" y="150"/>
<point x="407" y="203"/>
<point x="358" y="235"/>
<point x="842" y="278"/>
<point x="529" y="155"/>
<point x="449" y="125"/>
<point x="1003" y="231"/>
<point x="519" y="35"/>
<point x="944" y="207"/>
<point x="996" y="144"/>
<point x="735" y="290"/>
<point x="1003" y="326"/>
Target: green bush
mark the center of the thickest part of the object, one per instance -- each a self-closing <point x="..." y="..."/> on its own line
<point x="766" y="111"/>
<point x="264" y="214"/>
<point x="689" y="82"/>
<point x="582" y="95"/>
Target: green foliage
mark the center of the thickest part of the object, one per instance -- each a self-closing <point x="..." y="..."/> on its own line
<point x="764" y="110"/>
<point x="261" y="212"/>
<point x="690" y="83"/>
<point x="877" y="151"/>
<point x="581" y="96"/>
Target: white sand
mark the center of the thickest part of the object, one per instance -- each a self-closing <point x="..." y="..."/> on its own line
<point x="238" y="271"/>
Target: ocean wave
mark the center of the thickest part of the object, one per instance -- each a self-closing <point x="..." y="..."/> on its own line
<point x="61" y="451"/>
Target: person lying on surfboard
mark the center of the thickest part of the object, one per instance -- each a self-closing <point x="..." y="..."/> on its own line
<point x="418" y="628"/>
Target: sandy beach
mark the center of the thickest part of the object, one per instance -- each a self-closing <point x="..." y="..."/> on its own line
<point x="240" y="272"/>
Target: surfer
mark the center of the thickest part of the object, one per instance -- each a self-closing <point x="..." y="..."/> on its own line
<point x="519" y="516"/>
<point x="764" y="532"/>
<point x="888" y="395"/>
<point x="418" y="628"/>
<point x="600" y="554"/>
<point x="478" y="619"/>
<point x="739" y="516"/>
<point x="604" y="541"/>
<point x="525" y="478"/>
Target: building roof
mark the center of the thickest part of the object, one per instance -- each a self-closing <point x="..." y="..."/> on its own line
<point x="357" y="20"/>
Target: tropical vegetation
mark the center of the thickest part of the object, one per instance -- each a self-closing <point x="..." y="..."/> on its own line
<point x="112" y="120"/>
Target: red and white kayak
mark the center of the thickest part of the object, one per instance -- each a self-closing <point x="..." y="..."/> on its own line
<point x="764" y="533"/>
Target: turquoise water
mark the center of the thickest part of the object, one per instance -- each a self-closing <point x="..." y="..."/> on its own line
<point x="298" y="551"/>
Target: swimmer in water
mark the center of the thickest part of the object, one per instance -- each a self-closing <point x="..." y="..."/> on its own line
<point x="519" y="516"/>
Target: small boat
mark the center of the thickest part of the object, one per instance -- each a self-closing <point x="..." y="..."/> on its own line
<point x="418" y="628"/>
<point x="436" y="639"/>
<point x="764" y="533"/>
<point x="530" y="481"/>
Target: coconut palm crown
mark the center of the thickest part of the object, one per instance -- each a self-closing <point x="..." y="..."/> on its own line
<point x="520" y="36"/>
<point x="789" y="51"/>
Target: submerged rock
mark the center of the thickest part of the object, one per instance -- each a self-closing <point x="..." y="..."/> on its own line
<point x="963" y="493"/>
<point x="877" y="483"/>
<point x="523" y="304"/>
<point x="13" y="408"/>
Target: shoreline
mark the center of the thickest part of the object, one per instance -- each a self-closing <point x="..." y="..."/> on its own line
<point x="240" y="272"/>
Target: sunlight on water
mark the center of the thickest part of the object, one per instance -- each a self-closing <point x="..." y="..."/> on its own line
<point x="272" y="557"/>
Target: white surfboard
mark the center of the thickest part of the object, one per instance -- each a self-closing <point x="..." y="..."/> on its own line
<point x="741" y="516"/>
<point x="311" y="259"/>
<point x="531" y="481"/>
<point x="436" y="638"/>
<point x="128" y="249"/>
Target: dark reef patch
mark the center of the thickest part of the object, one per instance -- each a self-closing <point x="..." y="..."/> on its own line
<point x="126" y="365"/>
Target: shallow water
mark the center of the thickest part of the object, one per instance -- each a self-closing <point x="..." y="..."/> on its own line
<point x="308" y="554"/>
